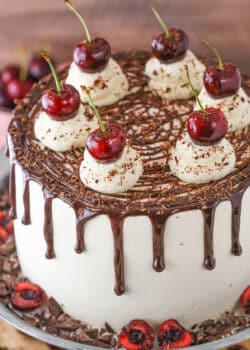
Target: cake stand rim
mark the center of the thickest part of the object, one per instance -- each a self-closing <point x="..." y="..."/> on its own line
<point x="8" y="316"/>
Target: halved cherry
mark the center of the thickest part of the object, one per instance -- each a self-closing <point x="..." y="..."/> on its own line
<point x="245" y="300"/>
<point x="9" y="227"/>
<point x="137" y="335"/>
<point x="3" y="235"/>
<point x="27" y="296"/>
<point x="172" y="335"/>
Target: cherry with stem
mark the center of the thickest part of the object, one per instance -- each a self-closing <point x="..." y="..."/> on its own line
<point x="91" y="55"/>
<point x="19" y="86"/>
<point x="170" y="45"/>
<point x="207" y="126"/>
<point x="63" y="102"/>
<point x="107" y="142"/>
<point x="223" y="79"/>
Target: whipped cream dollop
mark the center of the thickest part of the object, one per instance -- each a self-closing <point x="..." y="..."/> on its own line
<point x="61" y="136"/>
<point x="118" y="176"/>
<point x="106" y="87"/>
<point x="201" y="164"/>
<point x="236" y="107"/>
<point x="169" y="80"/>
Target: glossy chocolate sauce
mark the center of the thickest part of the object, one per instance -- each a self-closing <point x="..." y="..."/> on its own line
<point x="158" y="194"/>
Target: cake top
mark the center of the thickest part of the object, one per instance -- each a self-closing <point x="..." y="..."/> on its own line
<point x="153" y="126"/>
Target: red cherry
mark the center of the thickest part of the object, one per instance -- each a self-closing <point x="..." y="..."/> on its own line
<point x="172" y="335"/>
<point x="137" y="335"/>
<point x="222" y="82"/>
<point x="9" y="73"/>
<point x="38" y="68"/>
<point x="17" y="89"/>
<point x="106" y="146"/>
<point x="91" y="55"/>
<point x="245" y="300"/>
<point x="27" y="296"/>
<point x="5" y="101"/>
<point x="63" y="102"/>
<point x="207" y="128"/>
<point x="9" y="227"/>
<point x="170" y="45"/>
<point x="2" y="85"/>
<point x="106" y="143"/>
<point x="62" y="106"/>
<point x="3" y="235"/>
<point x="167" y="49"/>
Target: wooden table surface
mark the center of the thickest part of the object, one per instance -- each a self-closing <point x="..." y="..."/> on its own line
<point x="127" y="24"/>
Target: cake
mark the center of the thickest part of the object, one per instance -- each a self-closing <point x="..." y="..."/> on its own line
<point x="172" y="243"/>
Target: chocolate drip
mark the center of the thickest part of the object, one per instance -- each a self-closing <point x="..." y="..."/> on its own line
<point x="236" y="201"/>
<point x="13" y="190"/>
<point x="48" y="226"/>
<point x="81" y="219"/>
<point x="117" y="228"/>
<point x="158" y="224"/>
<point x="209" y="260"/>
<point x="26" y="201"/>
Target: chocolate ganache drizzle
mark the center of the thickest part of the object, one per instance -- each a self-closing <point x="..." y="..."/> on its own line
<point x="153" y="126"/>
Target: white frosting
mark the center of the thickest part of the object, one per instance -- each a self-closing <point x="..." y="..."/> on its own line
<point x="61" y="136"/>
<point x="201" y="164"/>
<point x="169" y="80"/>
<point x="118" y="176"/>
<point x="149" y="295"/>
<point x="106" y="87"/>
<point x="236" y="107"/>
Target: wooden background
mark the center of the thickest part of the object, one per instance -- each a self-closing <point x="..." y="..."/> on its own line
<point x="126" y="23"/>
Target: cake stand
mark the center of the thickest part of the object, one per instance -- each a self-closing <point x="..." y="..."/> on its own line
<point x="9" y="317"/>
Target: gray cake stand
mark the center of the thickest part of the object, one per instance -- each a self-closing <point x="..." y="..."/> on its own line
<point x="9" y="317"/>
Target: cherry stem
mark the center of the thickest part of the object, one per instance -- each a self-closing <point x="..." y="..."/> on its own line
<point x="194" y="91"/>
<point x="23" y="64"/>
<point x="93" y="106"/>
<point x="216" y="52"/>
<point x="46" y="57"/>
<point x="160" y="20"/>
<point x="74" y="10"/>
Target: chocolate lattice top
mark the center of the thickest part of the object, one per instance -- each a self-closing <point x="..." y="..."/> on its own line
<point x="153" y="126"/>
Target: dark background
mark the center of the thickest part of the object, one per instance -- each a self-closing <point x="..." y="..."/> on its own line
<point x="125" y="23"/>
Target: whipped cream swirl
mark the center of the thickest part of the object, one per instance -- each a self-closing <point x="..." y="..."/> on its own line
<point x="201" y="164"/>
<point x="169" y="80"/>
<point x="118" y="176"/>
<point x="61" y="136"/>
<point x="236" y="107"/>
<point x="106" y="87"/>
